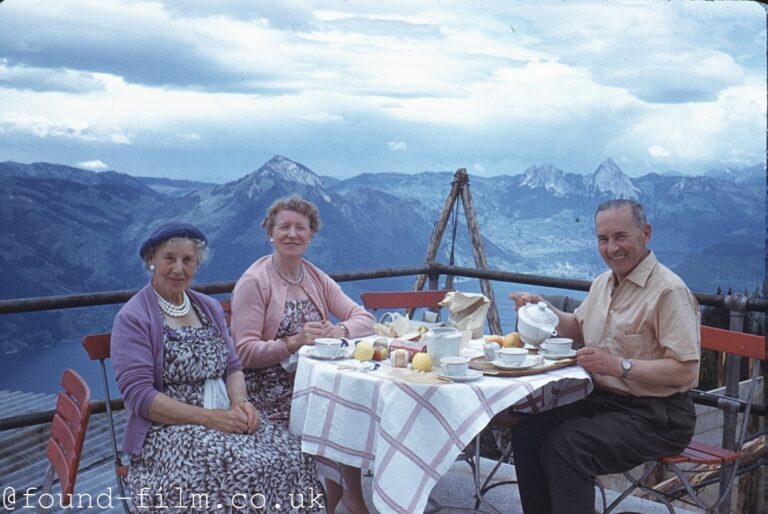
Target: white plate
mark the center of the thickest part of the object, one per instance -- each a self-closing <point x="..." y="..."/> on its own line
<point x="558" y="356"/>
<point x="529" y="362"/>
<point x="312" y="352"/>
<point x="471" y="375"/>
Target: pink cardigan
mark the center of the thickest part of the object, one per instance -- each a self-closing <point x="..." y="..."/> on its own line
<point x="258" y="302"/>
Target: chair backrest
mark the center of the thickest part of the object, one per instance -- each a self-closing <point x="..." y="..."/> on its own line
<point x="738" y="343"/>
<point x="70" y="422"/>
<point x="403" y="299"/>
<point x="97" y="346"/>
<point x="429" y="299"/>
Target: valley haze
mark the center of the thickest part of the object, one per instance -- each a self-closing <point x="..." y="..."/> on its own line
<point x="67" y="230"/>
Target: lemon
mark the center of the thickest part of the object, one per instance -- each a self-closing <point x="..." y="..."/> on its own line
<point x="421" y="362"/>
<point x="363" y="351"/>
<point x="512" y="340"/>
<point x="494" y="339"/>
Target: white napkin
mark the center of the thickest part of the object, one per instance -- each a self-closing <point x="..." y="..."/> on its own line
<point x="290" y="363"/>
<point x="215" y="394"/>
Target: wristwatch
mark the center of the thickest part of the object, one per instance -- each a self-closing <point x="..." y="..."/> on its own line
<point x="626" y="367"/>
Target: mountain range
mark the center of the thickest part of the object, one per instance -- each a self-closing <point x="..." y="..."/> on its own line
<point x="67" y="230"/>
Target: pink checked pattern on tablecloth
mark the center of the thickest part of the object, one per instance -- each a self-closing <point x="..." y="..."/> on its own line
<point x="410" y="433"/>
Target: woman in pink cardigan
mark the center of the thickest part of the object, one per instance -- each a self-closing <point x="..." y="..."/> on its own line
<point x="283" y="302"/>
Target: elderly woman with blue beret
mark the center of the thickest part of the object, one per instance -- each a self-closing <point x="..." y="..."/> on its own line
<point x="195" y="442"/>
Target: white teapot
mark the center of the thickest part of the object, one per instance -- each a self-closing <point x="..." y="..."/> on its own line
<point x="443" y="342"/>
<point x="536" y="322"/>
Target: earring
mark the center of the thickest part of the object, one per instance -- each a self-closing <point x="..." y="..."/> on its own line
<point x="152" y="268"/>
<point x="271" y="239"/>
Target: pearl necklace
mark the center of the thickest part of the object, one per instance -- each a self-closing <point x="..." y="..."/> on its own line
<point x="174" y="311"/>
<point x="284" y="277"/>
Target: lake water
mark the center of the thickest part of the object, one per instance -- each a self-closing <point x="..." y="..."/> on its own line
<point x="40" y="370"/>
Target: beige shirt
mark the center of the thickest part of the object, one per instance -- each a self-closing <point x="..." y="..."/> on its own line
<point x="650" y="315"/>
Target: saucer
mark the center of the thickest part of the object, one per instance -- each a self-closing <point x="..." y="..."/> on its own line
<point x="471" y="375"/>
<point x="312" y="352"/>
<point x="556" y="357"/>
<point x="527" y="363"/>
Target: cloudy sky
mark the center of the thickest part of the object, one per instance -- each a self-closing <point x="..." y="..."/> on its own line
<point x="210" y="90"/>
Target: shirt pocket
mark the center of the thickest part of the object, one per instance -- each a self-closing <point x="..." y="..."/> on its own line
<point x="637" y="346"/>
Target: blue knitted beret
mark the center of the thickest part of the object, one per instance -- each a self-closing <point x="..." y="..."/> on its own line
<point x="168" y="231"/>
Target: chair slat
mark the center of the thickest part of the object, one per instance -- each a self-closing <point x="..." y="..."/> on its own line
<point x="76" y="387"/>
<point x="68" y="428"/>
<point x="60" y="464"/>
<point x="738" y="343"/>
<point x="402" y="299"/>
<point x="68" y="411"/>
<point x="63" y="435"/>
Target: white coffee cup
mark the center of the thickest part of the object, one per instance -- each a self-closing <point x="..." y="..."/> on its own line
<point x="327" y="346"/>
<point x="513" y="356"/>
<point x="558" y="345"/>
<point x="490" y="350"/>
<point x="456" y="366"/>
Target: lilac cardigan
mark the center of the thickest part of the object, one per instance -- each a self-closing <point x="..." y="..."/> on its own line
<point x="138" y="359"/>
<point x="258" y="302"/>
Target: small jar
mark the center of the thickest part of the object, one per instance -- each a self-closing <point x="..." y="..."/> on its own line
<point x="399" y="358"/>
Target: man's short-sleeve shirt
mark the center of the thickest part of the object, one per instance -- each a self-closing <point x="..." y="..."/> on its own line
<point x="651" y="314"/>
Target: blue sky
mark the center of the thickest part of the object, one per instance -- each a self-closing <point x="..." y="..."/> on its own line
<point x="210" y="90"/>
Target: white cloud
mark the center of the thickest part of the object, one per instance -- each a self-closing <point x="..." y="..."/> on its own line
<point x="723" y="130"/>
<point x="478" y="168"/>
<point x="65" y="127"/>
<point x="506" y="79"/>
<point x="658" y="151"/>
<point x="188" y="136"/>
<point x="95" y="165"/>
<point x="322" y="117"/>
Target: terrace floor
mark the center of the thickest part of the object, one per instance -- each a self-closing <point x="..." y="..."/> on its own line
<point x="22" y="465"/>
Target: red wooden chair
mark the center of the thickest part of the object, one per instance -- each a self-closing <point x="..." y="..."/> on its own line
<point x="429" y="299"/>
<point x="98" y="348"/>
<point x="68" y="428"/>
<point x="701" y="454"/>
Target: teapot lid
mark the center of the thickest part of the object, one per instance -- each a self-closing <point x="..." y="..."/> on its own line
<point x="538" y="313"/>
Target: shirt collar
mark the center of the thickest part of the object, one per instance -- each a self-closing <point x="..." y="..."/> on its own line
<point x="639" y="275"/>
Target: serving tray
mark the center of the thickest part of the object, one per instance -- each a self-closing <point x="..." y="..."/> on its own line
<point x="484" y="365"/>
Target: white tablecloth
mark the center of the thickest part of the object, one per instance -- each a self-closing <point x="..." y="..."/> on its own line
<point x="410" y="433"/>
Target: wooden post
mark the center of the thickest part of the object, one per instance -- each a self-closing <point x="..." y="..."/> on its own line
<point x="460" y="189"/>
<point x="439" y="230"/>
<point x="494" y="324"/>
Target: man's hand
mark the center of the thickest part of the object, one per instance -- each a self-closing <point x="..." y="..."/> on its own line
<point x="599" y="361"/>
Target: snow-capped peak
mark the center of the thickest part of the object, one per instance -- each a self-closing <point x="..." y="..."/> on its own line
<point x="608" y="178"/>
<point x="289" y="171"/>
<point x="547" y="176"/>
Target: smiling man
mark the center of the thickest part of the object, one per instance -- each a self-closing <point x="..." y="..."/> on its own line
<point x="639" y="327"/>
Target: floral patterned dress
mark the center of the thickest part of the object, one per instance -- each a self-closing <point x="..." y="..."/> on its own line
<point x="192" y="468"/>
<point x="271" y="389"/>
